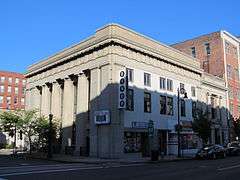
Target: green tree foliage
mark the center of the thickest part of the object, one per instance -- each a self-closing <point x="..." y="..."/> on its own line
<point x="202" y="126"/>
<point x="33" y="126"/>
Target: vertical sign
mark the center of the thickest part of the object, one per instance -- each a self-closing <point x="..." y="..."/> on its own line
<point x="122" y="89"/>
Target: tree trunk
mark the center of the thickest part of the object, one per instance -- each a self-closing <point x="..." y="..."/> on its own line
<point x="30" y="144"/>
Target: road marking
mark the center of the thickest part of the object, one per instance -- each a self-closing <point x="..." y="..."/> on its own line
<point x="49" y="171"/>
<point x="66" y="170"/>
<point x="227" y="168"/>
<point x="43" y="165"/>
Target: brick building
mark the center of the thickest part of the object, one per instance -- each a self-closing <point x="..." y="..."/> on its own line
<point x="218" y="53"/>
<point x="12" y="87"/>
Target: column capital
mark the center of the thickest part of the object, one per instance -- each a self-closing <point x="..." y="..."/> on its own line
<point x="49" y="85"/>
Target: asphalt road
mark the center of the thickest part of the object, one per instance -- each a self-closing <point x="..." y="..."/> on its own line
<point x="222" y="169"/>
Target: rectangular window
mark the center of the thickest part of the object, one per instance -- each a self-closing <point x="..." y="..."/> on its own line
<point x="231" y="108"/>
<point x="194" y="109"/>
<point x="230" y="92"/>
<point x="130" y="100"/>
<point x="193" y="90"/>
<point x="16" y="90"/>
<point x="24" y="81"/>
<point x="208" y="49"/>
<point x="229" y="71"/>
<point x="2" y="89"/>
<point x="1" y="99"/>
<point x="227" y="47"/>
<point x="15" y="100"/>
<point x="8" y="100"/>
<point x="16" y="80"/>
<point x="147" y="79"/>
<point x="162" y="83"/>
<point x="22" y="101"/>
<point x="130" y="75"/>
<point x="170" y="106"/>
<point x="193" y="49"/>
<point x="163" y="107"/>
<point x="147" y="102"/>
<point x="183" y="107"/>
<point x="2" y="79"/>
<point x="9" y="89"/>
<point x="169" y="85"/>
<point x="10" y="80"/>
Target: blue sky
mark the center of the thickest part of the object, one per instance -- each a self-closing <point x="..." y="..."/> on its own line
<point x="31" y="30"/>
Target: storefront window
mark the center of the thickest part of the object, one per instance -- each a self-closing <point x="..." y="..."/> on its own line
<point x="132" y="142"/>
<point x="189" y="141"/>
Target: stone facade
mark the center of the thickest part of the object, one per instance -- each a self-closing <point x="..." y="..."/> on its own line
<point x="79" y="81"/>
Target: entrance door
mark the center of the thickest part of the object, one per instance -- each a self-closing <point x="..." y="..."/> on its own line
<point x="162" y="134"/>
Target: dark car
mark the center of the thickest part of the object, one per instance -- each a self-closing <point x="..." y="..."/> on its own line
<point x="233" y="148"/>
<point x="211" y="152"/>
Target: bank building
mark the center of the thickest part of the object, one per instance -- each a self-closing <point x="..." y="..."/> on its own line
<point x="117" y="90"/>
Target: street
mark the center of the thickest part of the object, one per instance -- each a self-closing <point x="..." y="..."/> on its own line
<point x="220" y="169"/>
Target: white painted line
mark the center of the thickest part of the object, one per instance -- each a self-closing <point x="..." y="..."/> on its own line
<point x="43" y="165"/>
<point x="48" y="171"/>
<point x="227" y="168"/>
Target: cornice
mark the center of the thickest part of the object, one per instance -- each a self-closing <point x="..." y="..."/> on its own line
<point x="115" y="36"/>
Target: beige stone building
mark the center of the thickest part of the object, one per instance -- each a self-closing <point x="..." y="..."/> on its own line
<point x="84" y="86"/>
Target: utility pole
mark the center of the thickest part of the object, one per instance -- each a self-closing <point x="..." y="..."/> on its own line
<point x="49" y="155"/>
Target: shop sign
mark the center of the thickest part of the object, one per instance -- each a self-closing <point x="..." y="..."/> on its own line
<point x="102" y="117"/>
<point x="122" y="89"/>
<point x="139" y="125"/>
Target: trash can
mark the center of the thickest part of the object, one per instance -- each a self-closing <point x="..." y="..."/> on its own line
<point x="154" y="155"/>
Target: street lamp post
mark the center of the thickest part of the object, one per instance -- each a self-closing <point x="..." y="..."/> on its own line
<point x="180" y="91"/>
<point x="49" y="155"/>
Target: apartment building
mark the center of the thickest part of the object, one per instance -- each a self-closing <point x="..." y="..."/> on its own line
<point x="218" y="53"/>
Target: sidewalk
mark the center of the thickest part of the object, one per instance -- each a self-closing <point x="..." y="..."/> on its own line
<point x="92" y="160"/>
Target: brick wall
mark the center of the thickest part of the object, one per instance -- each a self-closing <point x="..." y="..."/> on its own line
<point x="13" y="94"/>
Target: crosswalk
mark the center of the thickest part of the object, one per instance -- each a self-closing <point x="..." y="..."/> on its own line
<point x="54" y="168"/>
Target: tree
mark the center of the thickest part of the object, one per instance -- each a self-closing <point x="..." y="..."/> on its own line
<point x="202" y="126"/>
<point x="10" y="122"/>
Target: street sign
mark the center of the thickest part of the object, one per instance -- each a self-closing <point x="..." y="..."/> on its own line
<point x="150" y="128"/>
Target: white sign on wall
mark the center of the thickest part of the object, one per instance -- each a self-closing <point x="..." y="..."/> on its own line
<point x="122" y="89"/>
<point x="102" y="117"/>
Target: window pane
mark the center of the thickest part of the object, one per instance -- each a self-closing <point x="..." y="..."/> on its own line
<point x="147" y="102"/>
<point x="130" y="100"/>
<point x="130" y="75"/>
<point x="169" y="106"/>
<point x="162" y="104"/>
<point x="162" y="83"/>
<point x="147" y="79"/>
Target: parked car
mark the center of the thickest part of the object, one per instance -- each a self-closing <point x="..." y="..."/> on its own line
<point x="233" y="148"/>
<point x="211" y="152"/>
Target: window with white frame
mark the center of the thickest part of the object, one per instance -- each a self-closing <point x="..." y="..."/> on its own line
<point x="147" y="79"/>
<point x="8" y="100"/>
<point x="2" y="79"/>
<point x="1" y="99"/>
<point x="16" y="90"/>
<point x="10" y="80"/>
<point x="169" y="85"/>
<point x="130" y="74"/>
<point x="24" y="81"/>
<point x="2" y="89"/>
<point x="17" y="80"/>
<point x="162" y="83"/>
<point x="9" y="89"/>
<point x="22" y="101"/>
<point x="193" y="91"/>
